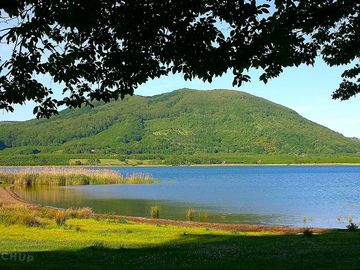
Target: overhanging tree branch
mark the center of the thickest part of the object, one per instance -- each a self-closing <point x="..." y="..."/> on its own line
<point x="104" y="49"/>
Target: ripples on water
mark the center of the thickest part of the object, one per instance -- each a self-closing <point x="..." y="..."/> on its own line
<point x="279" y="195"/>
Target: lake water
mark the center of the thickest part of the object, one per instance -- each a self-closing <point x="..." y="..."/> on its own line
<point x="278" y="195"/>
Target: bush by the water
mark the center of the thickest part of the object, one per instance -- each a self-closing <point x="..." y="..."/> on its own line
<point x="155" y="212"/>
<point x="64" y="177"/>
<point x="16" y="214"/>
<point x="190" y="214"/>
<point x="34" y="217"/>
<point x="60" y="217"/>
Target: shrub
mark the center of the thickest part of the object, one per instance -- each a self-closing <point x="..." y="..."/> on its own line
<point x="352" y="227"/>
<point x="60" y="217"/>
<point x="155" y="212"/>
<point x="17" y="214"/>
<point x="30" y="220"/>
<point x="84" y="212"/>
<point x="307" y="232"/>
<point x="31" y="217"/>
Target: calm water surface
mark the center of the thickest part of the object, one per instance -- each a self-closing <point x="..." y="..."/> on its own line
<point x="281" y="195"/>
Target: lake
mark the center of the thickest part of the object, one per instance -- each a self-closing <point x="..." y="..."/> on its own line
<point x="322" y="196"/>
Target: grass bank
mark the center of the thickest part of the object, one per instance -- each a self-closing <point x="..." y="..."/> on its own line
<point x="70" y="176"/>
<point x="52" y="239"/>
<point x="10" y="157"/>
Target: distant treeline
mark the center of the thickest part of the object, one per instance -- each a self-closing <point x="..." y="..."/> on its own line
<point x="134" y="160"/>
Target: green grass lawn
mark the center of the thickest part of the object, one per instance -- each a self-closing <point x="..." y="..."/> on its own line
<point x="105" y="244"/>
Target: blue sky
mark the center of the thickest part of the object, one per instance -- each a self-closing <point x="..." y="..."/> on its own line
<point x="305" y="89"/>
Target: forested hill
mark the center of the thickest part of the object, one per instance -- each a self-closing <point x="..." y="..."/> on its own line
<point x="181" y="122"/>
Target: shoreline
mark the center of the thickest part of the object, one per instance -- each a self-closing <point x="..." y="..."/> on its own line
<point x="327" y="164"/>
<point x="8" y="196"/>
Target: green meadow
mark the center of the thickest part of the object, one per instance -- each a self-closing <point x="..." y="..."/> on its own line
<point x="108" y="243"/>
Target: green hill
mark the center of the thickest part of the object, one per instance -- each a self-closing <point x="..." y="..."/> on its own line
<point x="183" y="122"/>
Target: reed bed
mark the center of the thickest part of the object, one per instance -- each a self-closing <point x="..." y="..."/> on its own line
<point x="31" y="217"/>
<point x="190" y="213"/>
<point x="155" y="211"/>
<point x="73" y="176"/>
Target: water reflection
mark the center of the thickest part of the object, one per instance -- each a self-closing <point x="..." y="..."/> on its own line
<point x="283" y="195"/>
<point x="74" y="197"/>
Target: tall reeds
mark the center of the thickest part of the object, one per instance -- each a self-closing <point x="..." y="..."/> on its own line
<point x="13" y="214"/>
<point x="155" y="212"/>
<point x="190" y="213"/>
<point x="72" y="176"/>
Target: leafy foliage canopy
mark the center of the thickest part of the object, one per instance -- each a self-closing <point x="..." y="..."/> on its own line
<point x="104" y="49"/>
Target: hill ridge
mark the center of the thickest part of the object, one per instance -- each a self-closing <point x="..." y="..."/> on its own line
<point x="184" y="121"/>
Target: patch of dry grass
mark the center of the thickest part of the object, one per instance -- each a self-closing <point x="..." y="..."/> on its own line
<point x="71" y="176"/>
<point x="16" y="214"/>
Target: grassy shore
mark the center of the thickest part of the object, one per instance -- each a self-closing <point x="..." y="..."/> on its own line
<point x="9" y="157"/>
<point x="76" y="239"/>
<point x="33" y="237"/>
<point x="70" y="176"/>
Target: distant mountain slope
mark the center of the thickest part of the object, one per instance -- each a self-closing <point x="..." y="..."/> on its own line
<point x="181" y="122"/>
